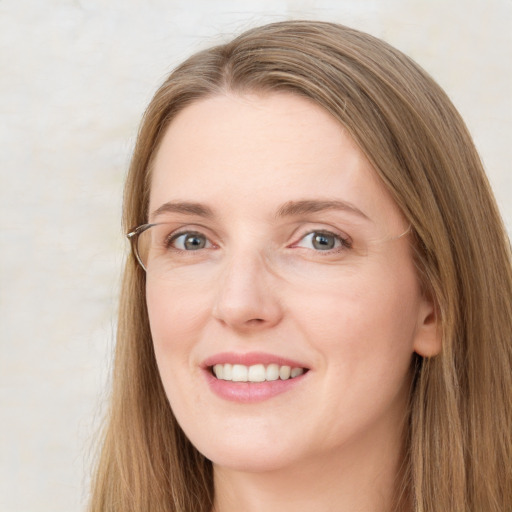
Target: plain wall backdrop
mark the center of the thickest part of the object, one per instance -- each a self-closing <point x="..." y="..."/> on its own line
<point x="75" y="77"/>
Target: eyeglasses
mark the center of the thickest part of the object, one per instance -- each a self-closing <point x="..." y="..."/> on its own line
<point x="139" y="240"/>
<point x="152" y="243"/>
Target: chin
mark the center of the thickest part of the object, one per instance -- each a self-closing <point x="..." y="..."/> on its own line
<point x="252" y="462"/>
<point x="247" y="456"/>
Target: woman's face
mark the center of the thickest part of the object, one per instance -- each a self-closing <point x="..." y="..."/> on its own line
<point x="281" y="254"/>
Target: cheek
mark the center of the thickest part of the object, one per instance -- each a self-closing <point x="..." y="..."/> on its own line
<point x="364" y="345"/>
<point x="363" y="327"/>
<point x="175" y="314"/>
<point x="175" y="321"/>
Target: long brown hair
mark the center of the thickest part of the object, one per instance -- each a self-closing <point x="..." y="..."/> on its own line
<point x="458" y="451"/>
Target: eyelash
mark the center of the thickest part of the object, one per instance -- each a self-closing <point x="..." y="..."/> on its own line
<point x="344" y="242"/>
<point x="174" y="236"/>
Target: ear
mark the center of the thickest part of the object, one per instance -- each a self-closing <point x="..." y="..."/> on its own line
<point x="428" y="339"/>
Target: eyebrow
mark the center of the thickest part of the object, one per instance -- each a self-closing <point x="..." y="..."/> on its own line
<point x="183" y="207"/>
<point x="288" y="209"/>
<point x="293" y="208"/>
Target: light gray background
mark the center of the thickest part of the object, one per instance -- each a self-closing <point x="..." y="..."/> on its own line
<point x="75" y="77"/>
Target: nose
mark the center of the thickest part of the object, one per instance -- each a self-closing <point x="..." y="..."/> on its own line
<point x="247" y="297"/>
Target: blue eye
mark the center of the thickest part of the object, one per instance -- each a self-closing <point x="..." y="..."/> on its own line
<point x="190" y="242"/>
<point x="323" y="241"/>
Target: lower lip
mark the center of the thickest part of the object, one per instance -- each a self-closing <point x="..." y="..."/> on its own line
<point x="250" y="392"/>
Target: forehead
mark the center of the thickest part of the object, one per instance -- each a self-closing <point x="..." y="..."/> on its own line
<point x="259" y="151"/>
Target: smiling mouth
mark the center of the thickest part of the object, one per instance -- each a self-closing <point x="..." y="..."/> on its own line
<point x="256" y="372"/>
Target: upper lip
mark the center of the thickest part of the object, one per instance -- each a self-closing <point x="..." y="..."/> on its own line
<point x="251" y="358"/>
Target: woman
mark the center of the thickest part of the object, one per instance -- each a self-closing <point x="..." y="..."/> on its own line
<point x="317" y="313"/>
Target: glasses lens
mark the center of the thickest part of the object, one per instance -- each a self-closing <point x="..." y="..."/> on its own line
<point x="153" y="246"/>
<point x="143" y="245"/>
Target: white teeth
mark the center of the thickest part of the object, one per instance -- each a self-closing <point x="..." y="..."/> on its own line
<point x="284" y="372"/>
<point x="218" y="369"/>
<point x="272" y="372"/>
<point x="296" y="372"/>
<point x="255" y="373"/>
<point x="240" y="373"/>
<point x="228" y="371"/>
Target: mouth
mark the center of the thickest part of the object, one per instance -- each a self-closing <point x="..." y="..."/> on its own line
<point x="256" y="372"/>
<point x="252" y="377"/>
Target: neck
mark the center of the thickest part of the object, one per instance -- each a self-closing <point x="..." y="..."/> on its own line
<point x="348" y="480"/>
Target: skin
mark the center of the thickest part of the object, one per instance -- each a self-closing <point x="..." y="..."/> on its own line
<point x="352" y="315"/>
